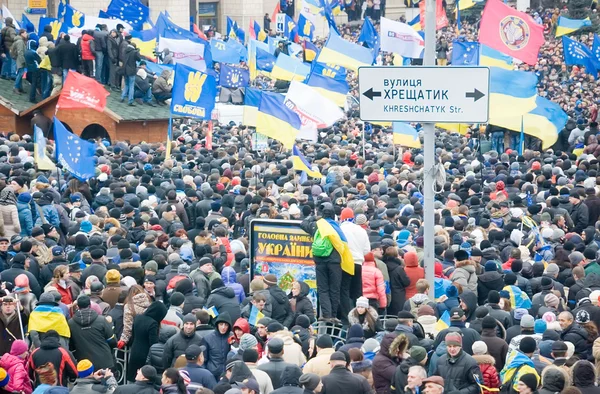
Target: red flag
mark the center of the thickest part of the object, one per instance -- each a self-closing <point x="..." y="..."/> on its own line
<point x="209" y="135"/>
<point x="275" y="12"/>
<point x="80" y="91"/>
<point x="441" y="20"/>
<point x="199" y="32"/>
<point x="511" y="32"/>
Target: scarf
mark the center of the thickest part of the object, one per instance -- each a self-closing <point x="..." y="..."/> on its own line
<point x="7" y="196"/>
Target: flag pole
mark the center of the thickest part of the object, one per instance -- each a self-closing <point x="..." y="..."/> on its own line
<point x="522" y="137"/>
<point x="169" y="134"/>
<point x="458" y="16"/>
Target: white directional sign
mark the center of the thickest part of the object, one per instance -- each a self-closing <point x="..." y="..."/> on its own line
<point x="424" y="94"/>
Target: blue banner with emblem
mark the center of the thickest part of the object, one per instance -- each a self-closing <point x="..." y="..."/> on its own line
<point x="194" y="93"/>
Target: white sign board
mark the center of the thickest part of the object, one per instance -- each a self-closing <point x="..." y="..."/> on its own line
<point x="260" y="142"/>
<point x="280" y="23"/>
<point x="424" y="94"/>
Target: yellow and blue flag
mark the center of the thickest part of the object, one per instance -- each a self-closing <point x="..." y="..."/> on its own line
<point x="306" y="28"/>
<point x="157" y="69"/>
<point x="75" y="154"/>
<point x="131" y="11"/>
<point x="330" y="81"/>
<point x="491" y="57"/>
<point x="253" y="45"/>
<point x="461" y="128"/>
<point x="328" y="13"/>
<point x="260" y="33"/>
<point x="545" y="121"/>
<point x="443" y="322"/>
<point x="288" y="68"/>
<point x="577" y="53"/>
<point x="233" y="77"/>
<point x="415" y="23"/>
<point x="568" y="26"/>
<point x="48" y="317"/>
<point x="465" y="53"/>
<point x="331" y="230"/>
<point x="251" y="103"/>
<point x="301" y="164"/>
<point x="518" y="297"/>
<point x="231" y="28"/>
<point x="165" y="27"/>
<point x="212" y="311"/>
<point x="290" y="31"/>
<point x="56" y="25"/>
<point x="61" y="9"/>
<point x="255" y="316"/>
<point x="511" y="92"/>
<point x="310" y="51"/>
<point x="277" y="121"/>
<point x="264" y="60"/>
<point x="42" y="161"/>
<point x="405" y="135"/>
<point x="344" y="53"/>
<point x="145" y="41"/>
<point x="73" y="17"/>
<point x="193" y="93"/>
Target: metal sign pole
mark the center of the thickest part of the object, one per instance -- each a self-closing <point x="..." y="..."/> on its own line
<point x="429" y="152"/>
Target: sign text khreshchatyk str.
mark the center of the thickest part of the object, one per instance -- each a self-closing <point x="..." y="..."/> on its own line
<point x="424" y="94"/>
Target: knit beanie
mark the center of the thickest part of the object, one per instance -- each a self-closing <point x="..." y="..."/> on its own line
<point x="453" y="338"/>
<point x="324" y="342"/>
<point x="85" y="368"/>
<point x="4" y="377"/>
<point x="18" y="347"/>
<point x="530" y="380"/>
<point x="479" y="348"/>
<point x="247" y="341"/>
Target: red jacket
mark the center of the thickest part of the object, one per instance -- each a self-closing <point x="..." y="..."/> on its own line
<point x="19" y="380"/>
<point x="86" y="47"/>
<point x="488" y="370"/>
<point x="373" y="283"/>
<point x="414" y="273"/>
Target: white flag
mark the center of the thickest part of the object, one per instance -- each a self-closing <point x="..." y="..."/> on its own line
<point x="6" y="14"/>
<point x="185" y="52"/>
<point x="315" y="110"/>
<point x="400" y="38"/>
<point x="42" y="161"/>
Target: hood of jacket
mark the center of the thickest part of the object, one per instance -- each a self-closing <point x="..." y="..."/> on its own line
<point x="85" y="317"/>
<point x="156" y="311"/>
<point x="490" y="276"/>
<point x="467" y="265"/>
<point x="286" y="336"/>
<point x="484" y="359"/>
<point x="242" y="324"/>
<point x="226" y="292"/>
<point x="291" y="375"/>
<point x="386" y="342"/>
<point x="399" y="345"/>
<point x="165" y="74"/>
<point x="141" y="300"/>
<point x="7" y="360"/>
<point x="86" y="37"/>
<point x="223" y="318"/>
<point x="470" y="300"/>
<point x="583" y="374"/>
<point x="554" y="379"/>
<point x="228" y="276"/>
<point x="592" y="280"/>
<point x="51" y="342"/>
<point x="304" y="289"/>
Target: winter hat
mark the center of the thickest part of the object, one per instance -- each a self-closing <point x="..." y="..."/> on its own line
<point x="582" y="317"/>
<point x="324" y="342"/>
<point x="479" y="348"/>
<point x="18" y="347"/>
<point x="552" y="269"/>
<point x="527" y="321"/>
<point x="551" y="300"/>
<point x="309" y="381"/>
<point x="189" y="318"/>
<point x="549" y="317"/>
<point x="390" y="324"/>
<point x="527" y="345"/>
<point x="247" y="341"/>
<point x="371" y="345"/>
<point x="362" y="302"/>
<point x="529" y="380"/>
<point x="488" y="322"/>
<point x="346" y="214"/>
<point x="493" y="297"/>
<point x="547" y="283"/>
<point x="519" y="313"/>
<point x="491" y="266"/>
<point x="453" y="338"/>
<point x="270" y="279"/>
<point x="451" y="291"/>
<point x="85" y="368"/>
<point x="177" y="298"/>
<point x="303" y="321"/>
<point x="539" y="326"/>
<point x="113" y="276"/>
<point x="83" y="301"/>
<point x="425" y="310"/>
<point x="216" y="283"/>
<point x="21" y="283"/>
<point x="418" y="353"/>
<point x="4" y="377"/>
<point x="355" y="331"/>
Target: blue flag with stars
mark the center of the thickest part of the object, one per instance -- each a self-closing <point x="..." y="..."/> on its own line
<point x="130" y="11"/>
<point x="465" y="53"/>
<point x="234" y="77"/>
<point x="577" y="53"/>
<point x="75" y="154"/>
<point x="596" y="47"/>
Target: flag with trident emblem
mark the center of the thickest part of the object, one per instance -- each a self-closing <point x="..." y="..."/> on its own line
<point x="234" y="77"/>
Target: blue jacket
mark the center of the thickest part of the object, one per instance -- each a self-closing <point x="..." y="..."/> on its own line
<point x="50" y="214"/>
<point x="200" y="375"/>
<point x="229" y="278"/>
<point x="25" y="218"/>
<point x="217" y="347"/>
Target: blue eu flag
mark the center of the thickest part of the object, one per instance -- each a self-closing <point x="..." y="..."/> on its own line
<point x="234" y="77"/>
<point x="75" y="155"/>
<point x="577" y="53"/>
<point x="465" y="53"/>
<point x="130" y="11"/>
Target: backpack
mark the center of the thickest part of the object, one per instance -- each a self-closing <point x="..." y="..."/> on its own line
<point x="414" y="308"/>
<point x="321" y="246"/>
<point x="14" y="53"/>
<point x="508" y="387"/>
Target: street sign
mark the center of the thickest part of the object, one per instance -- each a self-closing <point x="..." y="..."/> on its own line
<point x="280" y="23"/>
<point x="424" y="94"/>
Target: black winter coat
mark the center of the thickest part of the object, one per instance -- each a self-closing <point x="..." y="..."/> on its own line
<point x="490" y="280"/>
<point x="398" y="282"/>
<point x="290" y="381"/>
<point x="176" y="346"/>
<point x="17" y="269"/>
<point x="50" y="351"/>
<point x="130" y="58"/>
<point x="281" y="309"/>
<point x="217" y="345"/>
<point x="145" y="334"/>
<point x="137" y="388"/>
<point x="578" y="336"/>
<point x="133" y="269"/>
<point x="69" y="55"/>
<point x="401" y="375"/>
<point x="501" y="315"/>
<point x="155" y="354"/>
<point x="459" y="373"/>
<point x="223" y="298"/>
<point x="92" y="338"/>
<point x="303" y="304"/>
<point x="342" y="381"/>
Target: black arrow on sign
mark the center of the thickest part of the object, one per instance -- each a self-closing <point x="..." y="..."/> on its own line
<point x="476" y="95"/>
<point x="370" y="94"/>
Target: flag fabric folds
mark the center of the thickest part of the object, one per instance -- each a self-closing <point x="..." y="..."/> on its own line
<point x="186" y="52"/>
<point x="306" y="28"/>
<point x="193" y="93"/>
<point x="568" y="26"/>
<point x="253" y="47"/>
<point x="310" y="51"/>
<point x="415" y="23"/>
<point x="73" y="17"/>
<point x="145" y="41"/>
<point x="264" y="60"/>
<point x="131" y="11"/>
<point x="577" y="53"/>
<point x="460" y="128"/>
<point x="42" y="161"/>
<point x="289" y="68"/>
<point x="400" y="38"/>
<point x="328" y="13"/>
<point x="443" y="322"/>
<point x="465" y="53"/>
<point x="511" y="92"/>
<point x="259" y="32"/>
<point x="290" y="29"/>
<point x="234" y="77"/>
<point x="56" y="25"/>
<point x="511" y="32"/>
<point x="231" y="28"/>
<point x="405" y="135"/>
<point x="61" y="9"/>
<point x="329" y="81"/>
<point x="596" y="47"/>
<point x="212" y="311"/>
<point x="27" y="24"/>
<point x="255" y="316"/>
<point x="301" y="164"/>
<point x="49" y="317"/>
<point x="224" y="53"/>
<point x="80" y="91"/>
<point x="344" y="53"/>
<point x="75" y="154"/>
<point x="277" y="121"/>
<point x="314" y="109"/>
<point x="7" y="14"/>
<point x="491" y="57"/>
<point x="251" y="103"/>
<point x="441" y="19"/>
<point x="331" y="230"/>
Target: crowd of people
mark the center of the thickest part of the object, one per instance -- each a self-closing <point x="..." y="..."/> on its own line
<point x="149" y="260"/>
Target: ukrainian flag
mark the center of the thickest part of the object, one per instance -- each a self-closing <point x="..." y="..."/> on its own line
<point x="344" y="53"/>
<point x="212" y="311"/>
<point x="277" y="121"/>
<point x="518" y="297"/>
<point x="511" y="92"/>
<point x="405" y="135"/>
<point x="288" y="68"/>
<point x="260" y="33"/>
<point x="443" y="322"/>
<point x="415" y="23"/>
<point x="568" y="26"/>
<point x="255" y="316"/>
<point x="331" y="230"/>
<point x="330" y="81"/>
<point x="301" y="164"/>
<point x="47" y="317"/>
<point x="460" y="128"/>
<point x="491" y="57"/>
<point x="253" y="46"/>
<point x="145" y="41"/>
<point x="545" y="121"/>
<point x="310" y="51"/>
<point x="251" y="103"/>
<point x="42" y="161"/>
